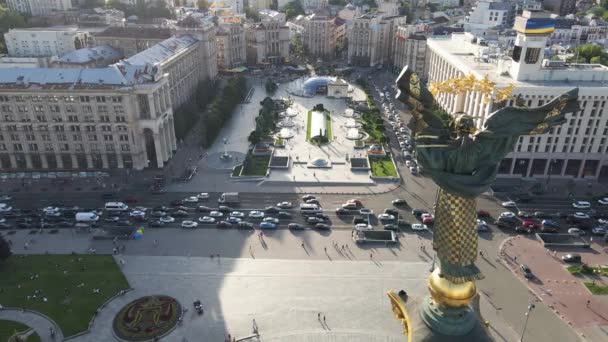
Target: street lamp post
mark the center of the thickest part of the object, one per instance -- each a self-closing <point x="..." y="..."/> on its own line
<point x="530" y="307"/>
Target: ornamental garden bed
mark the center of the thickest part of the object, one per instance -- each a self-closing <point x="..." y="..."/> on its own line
<point x="255" y="165"/>
<point x="382" y="166"/>
<point x="10" y="328"/>
<point x="146" y="318"/>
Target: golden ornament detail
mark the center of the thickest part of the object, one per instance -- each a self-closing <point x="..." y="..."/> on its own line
<point x="471" y="83"/>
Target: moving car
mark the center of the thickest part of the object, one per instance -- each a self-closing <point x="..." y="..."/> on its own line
<point x="268" y="225"/>
<point x="256" y="214"/>
<point x="237" y="214"/>
<point x="419" y="226"/>
<point x="189" y="224"/>
<point x="581" y="205"/>
<point x="391" y="211"/>
<point x="530" y="224"/>
<point x="525" y="214"/>
<point x="167" y="219"/>
<point x="234" y="220"/>
<point x="427" y="218"/>
<point x="180" y="213"/>
<point x="272" y="210"/>
<point x="598" y="231"/>
<point x="203" y="196"/>
<point x="216" y="214"/>
<point x="308" y="197"/>
<point x="284" y="214"/>
<point x="581" y="216"/>
<point x="523" y="230"/>
<point x="295" y="226"/>
<point x="363" y="226"/>
<point x="285" y="205"/>
<point x="507" y="214"/>
<point x="321" y="226"/>
<point x="576" y="231"/>
<point x="223" y="224"/>
<point x="206" y="220"/>
<point x="271" y="219"/>
<point x="399" y="201"/>
<point x="548" y="230"/>
<point x="603" y="201"/>
<point x="224" y="208"/>
<point x="571" y="258"/>
<point x="245" y="225"/>
<point x="313" y="220"/>
<point x="391" y="226"/>
<point x="191" y="199"/>
<point x="509" y="204"/>
<point x="417" y="212"/>
<point x="386" y="217"/>
<point x="342" y="211"/>
<point x="542" y="215"/>
<point x="549" y="223"/>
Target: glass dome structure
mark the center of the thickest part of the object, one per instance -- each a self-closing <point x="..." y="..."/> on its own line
<point x="317" y="84"/>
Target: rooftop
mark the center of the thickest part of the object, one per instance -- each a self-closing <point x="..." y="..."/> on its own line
<point x="162" y="51"/>
<point x="136" y="32"/>
<point x="469" y="57"/>
<point x="81" y="56"/>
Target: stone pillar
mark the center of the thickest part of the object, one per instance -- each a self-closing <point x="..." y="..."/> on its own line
<point x="104" y="161"/>
<point x="28" y="161"/>
<point x="59" y="161"/>
<point x="171" y="129"/>
<point x="44" y="161"/>
<point x="89" y="161"/>
<point x="13" y="160"/>
<point x="119" y="161"/>
<point x="512" y="165"/>
<point x="529" y="169"/>
<point x="581" y="168"/>
<point x="564" y="165"/>
<point x="167" y="138"/>
<point x="74" y="161"/>
<point x="163" y="141"/>
<point x="151" y="106"/>
<point x="159" y="150"/>
<point x="547" y="166"/>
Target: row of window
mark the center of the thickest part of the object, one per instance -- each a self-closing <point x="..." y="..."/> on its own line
<point x="61" y="128"/>
<point x="54" y="98"/>
<point x="33" y="147"/>
<point x="64" y="137"/>
<point x="57" y="109"/>
<point x="69" y="118"/>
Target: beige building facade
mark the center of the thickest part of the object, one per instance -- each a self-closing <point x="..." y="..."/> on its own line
<point x="131" y="40"/>
<point x="371" y="39"/>
<point x="410" y="49"/>
<point x="319" y="35"/>
<point x="267" y="42"/>
<point x="231" y="47"/>
<point x="85" y="119"/>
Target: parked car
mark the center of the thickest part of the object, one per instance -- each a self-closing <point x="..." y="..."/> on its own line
<point x="525" y="270"/>
<point x="549" y="223"/>
<point x="191" y="199"/>
<point x="399" y="202"/>
<point x="391" y="211"/>
<point x="509" y="204"/>
<point x="176" y="203"/>
<point x="547" y="230"/>
<point x="203" y="209"/>
<point x="366" y="211"/>
<point x="386" y="217"/>
<point x="308" y="197"/>
<point x="482" y="213"/>
<point x="272" y="210"/>
<point x="179" y="213"/>
<point x="530" y="224"/>
<point x="223" y="224"/>
<point x="581" y="216"/>
<point x="233" y="220"/>
<point x="576" y="231"/>
<point x="419" y="227"/>
<point x="313" y="220"/>
<point x="598" y="231"/>
<point x="525" y="214"/>
<point x="285" y="205"/>
<point x="271" y="219"/>
<point x="417" y="212"/>
<point x="155" y="224"/>
<point x="571" y="258"/>
<point x="224" y="209"/>
<point x="391" y="226"/>
<point x="542" y="215"/>
<point x="342" y="211"/>
<point x="284" y="214"/>
<point x="603" y="201"/>
<point x="507" y="214"/>
<point x="237" y="214"/>
<point x="203" y="196"/>
<point x="167" y="219"/>
<point x="427" y="218"/>
<point x="523" y="230"/>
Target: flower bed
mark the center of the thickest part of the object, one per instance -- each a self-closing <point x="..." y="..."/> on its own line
<point x="146" y="318"/>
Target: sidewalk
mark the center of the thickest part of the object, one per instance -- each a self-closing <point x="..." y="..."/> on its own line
<point x="34" y="320"/>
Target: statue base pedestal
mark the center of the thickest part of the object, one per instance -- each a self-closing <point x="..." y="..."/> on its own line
<point x="446" y="320"/>
<point x="438" y="330"/>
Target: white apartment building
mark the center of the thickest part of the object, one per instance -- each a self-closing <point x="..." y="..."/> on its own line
<point x="44" y="42"/>
<point x="575" y="149"/>
<point x="370" y="38"/>
<point x="85" y="119"/>
<point x="38" y="7"/>
<point x="267" y="42"/>
<point x="259" y="5"/>
<point x="488" y="14"/>
<point x="186" y="61"/>
<point x="231" y="46"/>
<point x="572" y="32"/>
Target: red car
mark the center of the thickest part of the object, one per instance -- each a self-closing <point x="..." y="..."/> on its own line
<point x="531" y="224"/>
<point x="482" y="213"/>
<point x="427" y="219"/>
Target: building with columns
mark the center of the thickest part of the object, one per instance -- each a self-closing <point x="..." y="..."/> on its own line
<point x="371" y="38"/>
<point x="231" y="47"/>
<point x="85" y="119"/>
<point x="575" y="149"/>
<point x="268" y="41"/>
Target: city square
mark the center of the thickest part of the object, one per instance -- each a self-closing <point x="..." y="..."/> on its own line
<point x="303" y="170"/>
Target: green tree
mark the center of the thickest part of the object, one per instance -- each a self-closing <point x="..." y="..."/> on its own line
<point x="297" y="47"/>
<point x="598" y="11"/>
<point x="203" y="5"/>
<point x="5" y="249"/>
<point x="293" y="9"/>
<point x="252" y="14"/>
<point x="271" y="87"/>
<point x="589" y="53"/>
<point x="337" y="2"/>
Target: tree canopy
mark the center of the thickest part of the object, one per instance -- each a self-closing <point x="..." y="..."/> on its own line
<point x="252" y="14"/>
<point x="9" y="20"/>
<point x="589" y="53"/>
<point x="293" y="9"/>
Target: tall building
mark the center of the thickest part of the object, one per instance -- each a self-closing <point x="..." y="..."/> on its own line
<point x="268" y="41"/>
<point x="84" y="119"/>
<point x="410" y="49"/>
<point x="131" y="40"/>
<point x="231" y="46"/>
<point x="44" y="42"/>
<point x="38" y="7"/>
<point x="488" y="15"/>
<point x="320" y="34"/>
<point x="370" y="38"/>
<point x="184" y="58"/>
<point x="575" y="149"/>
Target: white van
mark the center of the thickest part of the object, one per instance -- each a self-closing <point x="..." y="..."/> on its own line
<point x="116" y="206"/>
<point x="87" y="217"/>
<point x="306" y="208"/>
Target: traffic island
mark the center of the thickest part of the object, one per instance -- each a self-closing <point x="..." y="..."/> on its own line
<point x="69" y="289"/>
<point x="147" y="318"/>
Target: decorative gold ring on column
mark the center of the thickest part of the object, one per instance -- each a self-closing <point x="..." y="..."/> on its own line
<point x="445" y="292"/>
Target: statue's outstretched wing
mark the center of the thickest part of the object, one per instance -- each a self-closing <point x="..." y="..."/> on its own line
<point x="425" y="124"/>
<point x="516" y="121"/>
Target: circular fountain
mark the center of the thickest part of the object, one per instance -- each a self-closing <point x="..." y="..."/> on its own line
<point x="287" y="122"/>
<point x="351" y="123"/>
<point x="290" y="112"/>
<point x="285" y="133"/>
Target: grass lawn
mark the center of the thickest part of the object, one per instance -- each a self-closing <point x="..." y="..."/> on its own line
<point x="308" y="125"/>
<point x="279" y="142"/>
<point x="255" y="165"/>
<point x="597" y="289"/>
<point x="71" y="309"/>
<point x="237" y="171"/>
<point x="586" y="269"/>
<point x="8" y="328"/>
<point x="359" y="143"/>
<point x="328" y="123"/>
<point x="383" y="167"/>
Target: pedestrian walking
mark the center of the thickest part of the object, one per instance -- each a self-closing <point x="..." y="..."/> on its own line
<point x="588" y="303"/>
<point x="319" y="316"/>
<point x="371" y="255"/>
<point x="481" y="254"/>
<point x="25" y="245"/>
<point x="303" y="245"/>
<point x="515" y="258"/>
<point x="323" y="318"/>
<point x="155" y="242"/>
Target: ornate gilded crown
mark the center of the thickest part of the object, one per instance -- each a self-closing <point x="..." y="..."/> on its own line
<point x="471" y="83"/>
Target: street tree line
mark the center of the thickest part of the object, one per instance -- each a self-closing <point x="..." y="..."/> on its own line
<point x="265" y="122"/>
